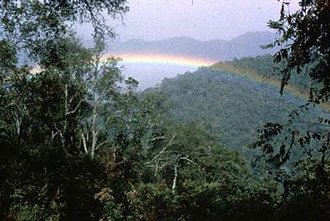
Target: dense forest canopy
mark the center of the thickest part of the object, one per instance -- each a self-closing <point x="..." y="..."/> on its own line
<point x="77" y="142"/>
<point x="232" y="100"/>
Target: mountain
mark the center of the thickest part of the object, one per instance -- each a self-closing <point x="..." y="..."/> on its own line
<point x="247" y="44"/>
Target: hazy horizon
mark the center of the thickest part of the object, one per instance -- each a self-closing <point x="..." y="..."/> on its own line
<point x="116" y="41"/>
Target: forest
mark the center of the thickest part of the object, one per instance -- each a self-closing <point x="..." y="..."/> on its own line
<point x="78" y="141"/>
<point x="229" y="103"/>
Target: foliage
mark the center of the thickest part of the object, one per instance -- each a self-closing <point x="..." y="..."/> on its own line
<point x="210" y="97"/>
<point x="264" y="67"/>
<point x="304" y="38"/>
<point x="308" y="194"/>
<point x="296" y="152"/>
<point x="304" y="55"/>
<point x="33" y="22"/>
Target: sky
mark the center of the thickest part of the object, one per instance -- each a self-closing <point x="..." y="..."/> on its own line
<point x="199" y="19"/>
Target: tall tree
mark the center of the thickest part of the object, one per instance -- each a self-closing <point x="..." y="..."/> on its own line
<point x="41" y="111"/>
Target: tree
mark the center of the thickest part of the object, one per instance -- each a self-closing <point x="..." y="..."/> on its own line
<point x="102" y="94"/>
<point x="305" y="50"/>
<point x="304" y="40"/>
<point x="43" y="175"/>
<point x="30" y="27"/>
<point x="297" y="152"/>
<point x="32" y="21"/>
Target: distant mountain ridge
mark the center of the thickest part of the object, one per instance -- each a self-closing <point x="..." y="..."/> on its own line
<point x="244" y="45"/>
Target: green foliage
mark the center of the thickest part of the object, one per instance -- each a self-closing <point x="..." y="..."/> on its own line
<point x="304" y="59"/>
<point x="35" y="21"/>
<point x="212" y="99"/>
<point x="308" y="194"/>
<point x="7" y="56"/>
<point x="265" y="67"/>
<point x="304" y="37"/>
<point x="43" y="116"/>
<point x="303" y="141"/>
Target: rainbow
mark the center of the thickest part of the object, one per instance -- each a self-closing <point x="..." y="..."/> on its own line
<point x="150" y="58"/>
<point x="254" y="76"/>
<point x="195" y="62"/>
<point x="165" y="59"/>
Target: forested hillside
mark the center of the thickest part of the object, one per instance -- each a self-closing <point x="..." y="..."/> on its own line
<point x="263" y="68"/>
<point x="229" y="102"/>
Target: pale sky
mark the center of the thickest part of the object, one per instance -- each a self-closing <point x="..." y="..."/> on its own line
<point x="199" y="19"/>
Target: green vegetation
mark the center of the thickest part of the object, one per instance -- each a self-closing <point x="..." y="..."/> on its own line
<point x="228" y="102"/>
<point x="78" y="143"/>
<point x="263" y="69"/>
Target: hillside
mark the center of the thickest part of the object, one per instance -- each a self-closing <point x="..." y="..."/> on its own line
<point x="262" y="68"/>
<point x="228" y="102"/>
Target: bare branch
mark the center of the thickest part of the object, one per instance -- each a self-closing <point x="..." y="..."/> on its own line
<point x="164" y="149"/>
<point x="74" y="110"/>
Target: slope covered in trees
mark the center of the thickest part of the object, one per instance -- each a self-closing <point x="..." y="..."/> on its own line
<point x="229" y="101"/>
<point x="263" y="68"/>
